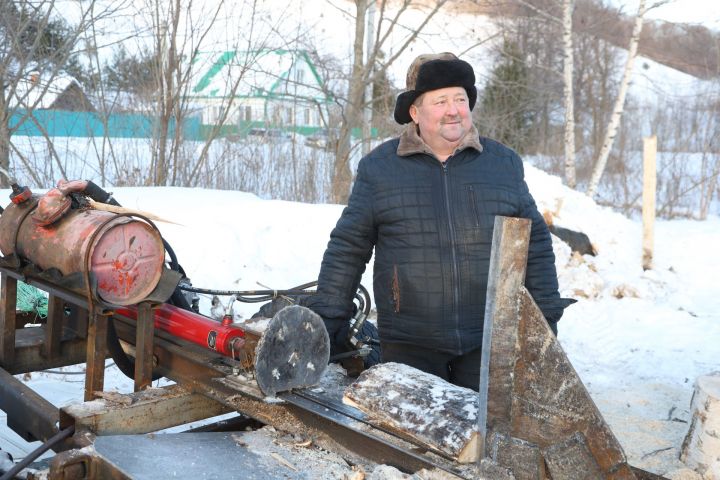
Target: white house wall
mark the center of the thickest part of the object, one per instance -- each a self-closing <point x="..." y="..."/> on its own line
<point x="279" y="88"/>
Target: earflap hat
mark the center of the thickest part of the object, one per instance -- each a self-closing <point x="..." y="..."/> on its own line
<point x="432" y="71"/>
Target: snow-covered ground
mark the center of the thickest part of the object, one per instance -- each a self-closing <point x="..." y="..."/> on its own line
<point x="637" y="338"/>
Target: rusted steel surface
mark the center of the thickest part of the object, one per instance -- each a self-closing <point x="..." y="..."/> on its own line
<point x="53" y="327"/>
<point x="82" y="465"/>
<point x="77" y="321"/>
<point x="145" y="331"/>
<point x="28" y="346"/>
<point x="28" y="414"/>
<point x="506" y="275"/>
<point x="125" y="255"/>
<point x="8" y="304"/>
<point x="96" y="354"/>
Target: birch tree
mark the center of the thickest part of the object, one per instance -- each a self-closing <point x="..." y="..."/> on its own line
<point x="619" y="106"/>
<point x="365" y="71"/>
<point x="569" y="94"/>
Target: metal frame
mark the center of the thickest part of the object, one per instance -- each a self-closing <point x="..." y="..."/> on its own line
<point x="210" y="380"/>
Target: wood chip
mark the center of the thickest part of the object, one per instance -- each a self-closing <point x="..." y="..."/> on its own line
<point x="114" y="397"/>
<point x="283" y="461"/>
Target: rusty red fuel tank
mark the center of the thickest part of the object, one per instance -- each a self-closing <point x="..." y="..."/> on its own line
<point x="125" y="254"/>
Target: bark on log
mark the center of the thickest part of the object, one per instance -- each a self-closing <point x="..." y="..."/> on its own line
<point x="701" y="447"/>
<point x="439" y="415"/>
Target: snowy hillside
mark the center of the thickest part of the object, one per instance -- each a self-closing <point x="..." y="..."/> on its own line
<point x="637" y="339"/>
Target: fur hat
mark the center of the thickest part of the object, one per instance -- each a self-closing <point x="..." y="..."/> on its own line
<point x="432" y="71"/>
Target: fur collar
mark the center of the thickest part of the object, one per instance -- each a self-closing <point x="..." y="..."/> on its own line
<point x="411" y="143"/>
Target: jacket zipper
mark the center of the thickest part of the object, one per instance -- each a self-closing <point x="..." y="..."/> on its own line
<point x="453" y="252"/>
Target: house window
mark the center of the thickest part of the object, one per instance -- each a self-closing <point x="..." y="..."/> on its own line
<point x="299" y="75"/>
<point x="307" y="116"/>
<point x="248" y="113"/>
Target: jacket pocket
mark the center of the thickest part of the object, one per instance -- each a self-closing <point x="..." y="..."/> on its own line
<point x="395" y="289"/>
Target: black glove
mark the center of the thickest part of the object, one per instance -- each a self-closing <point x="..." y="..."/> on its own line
<point x="338" y="333"/>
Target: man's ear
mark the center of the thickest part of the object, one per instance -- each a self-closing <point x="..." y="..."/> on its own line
<point x="413" y="113"/>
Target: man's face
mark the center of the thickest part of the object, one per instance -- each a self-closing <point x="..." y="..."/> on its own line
<point x="443" y="116"/>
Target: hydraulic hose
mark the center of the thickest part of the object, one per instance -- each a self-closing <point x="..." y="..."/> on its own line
<point x="52" y="441"/>
<point x="253" y="296"/>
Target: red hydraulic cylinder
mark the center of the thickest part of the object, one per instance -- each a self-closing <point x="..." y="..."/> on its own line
<point x="224" y="338"/>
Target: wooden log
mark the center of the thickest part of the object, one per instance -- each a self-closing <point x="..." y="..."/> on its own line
<point x="438" y="415"/>
<point x="701" y="448"/>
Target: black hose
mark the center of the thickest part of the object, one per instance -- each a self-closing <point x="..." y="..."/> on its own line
<point x="124" y="363"/>
<point x="55" y="439"/>
<point x="98" y="194"/>
<point x="253" y="296"/>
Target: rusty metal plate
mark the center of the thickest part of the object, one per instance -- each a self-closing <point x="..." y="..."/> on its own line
<point x="127" y="261"/>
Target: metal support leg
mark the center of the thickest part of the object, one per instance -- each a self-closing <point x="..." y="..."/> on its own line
<point x="96" y="353"/>
<point x="53" y="327"/>
<point x="78" y="321"/>
<point x="144" y="347"/>
<point x="8" y="305"/>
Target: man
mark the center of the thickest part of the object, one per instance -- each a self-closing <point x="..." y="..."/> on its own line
<point x="427" y="202"/>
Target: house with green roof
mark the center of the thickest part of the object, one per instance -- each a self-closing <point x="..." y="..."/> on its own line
<point x="265" y="88"/>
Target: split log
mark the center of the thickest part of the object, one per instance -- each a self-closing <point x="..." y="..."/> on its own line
<point x="438" y="415"/>
<point x="701" y="447"/>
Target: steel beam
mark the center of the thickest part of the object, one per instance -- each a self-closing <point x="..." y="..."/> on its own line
<point x="28" y="358"/>
<point x="28" y="414"/>
<point x="140" y="412"/>
<point x="96" y="354"/>
<point x="53" y="327"/>
<point x="8" y="305"/>
<point x="145" y="330"/>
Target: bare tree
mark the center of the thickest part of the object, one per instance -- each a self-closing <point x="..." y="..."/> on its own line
<point x="365" y="71"/>
<point x="35" y="46"/>
<point x="185" y="40"/>
<point x="612" y="127"/>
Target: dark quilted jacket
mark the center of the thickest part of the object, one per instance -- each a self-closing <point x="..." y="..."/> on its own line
<point x="431" y="227"/>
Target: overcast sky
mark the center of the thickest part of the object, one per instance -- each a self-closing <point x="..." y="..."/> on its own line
<point x="706" y="12"/>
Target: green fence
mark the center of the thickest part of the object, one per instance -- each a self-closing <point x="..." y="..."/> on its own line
<point x="62" y="123"/>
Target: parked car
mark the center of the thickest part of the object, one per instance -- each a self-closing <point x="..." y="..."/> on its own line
<point x="270" y="134"/>
<point x="325" y="138"/>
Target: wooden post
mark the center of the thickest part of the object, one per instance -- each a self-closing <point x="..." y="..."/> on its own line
<point x="648" y="209"/>
<point x="8" y="305"/>
<point x="96" y="353"/>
